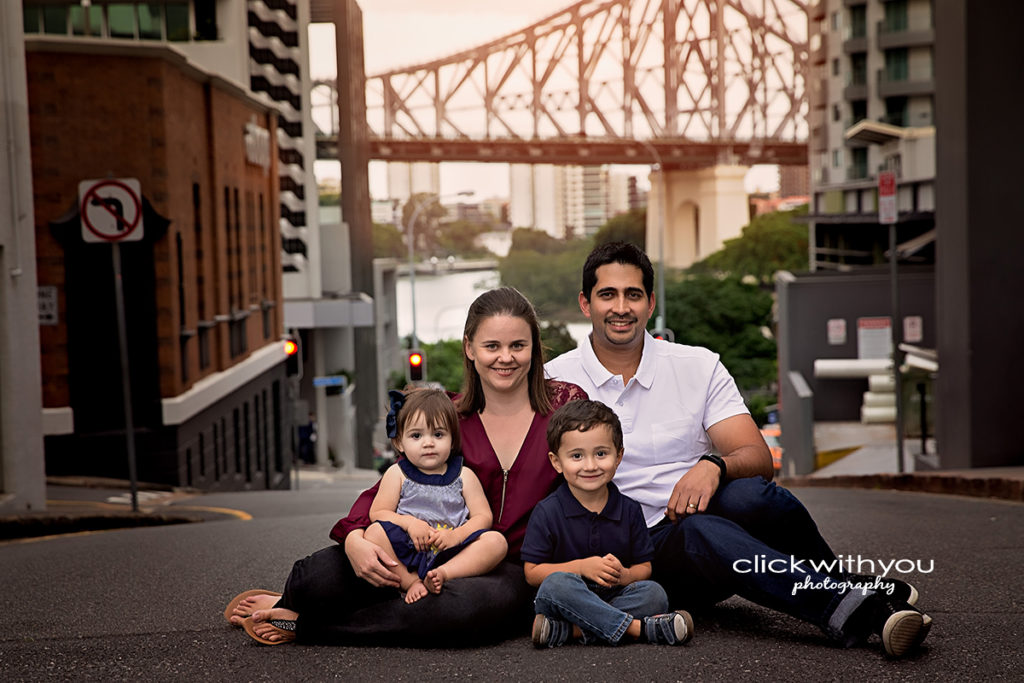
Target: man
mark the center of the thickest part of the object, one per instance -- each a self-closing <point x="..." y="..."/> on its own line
<point x="718" y="525"/>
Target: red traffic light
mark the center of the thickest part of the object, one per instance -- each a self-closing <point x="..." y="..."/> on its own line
<point x="291" y="347"/>
<point x="416" y="366"/>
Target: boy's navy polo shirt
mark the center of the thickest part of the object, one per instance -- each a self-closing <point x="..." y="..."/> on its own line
<point x="562" y="530"/>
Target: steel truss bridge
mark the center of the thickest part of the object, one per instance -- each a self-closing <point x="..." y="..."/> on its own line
<point x="605" y="81"/>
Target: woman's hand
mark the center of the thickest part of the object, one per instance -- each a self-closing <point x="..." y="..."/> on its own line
<point x="421" y="534"/>
<point x="369" y="561"/>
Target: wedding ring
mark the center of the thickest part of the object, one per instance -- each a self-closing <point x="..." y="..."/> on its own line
<point x="691" y="505"/>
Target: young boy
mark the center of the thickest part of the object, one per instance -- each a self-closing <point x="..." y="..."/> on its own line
<point x="587" y="546"/>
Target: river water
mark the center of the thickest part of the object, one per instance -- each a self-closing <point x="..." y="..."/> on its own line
<point x="442" y="302"/>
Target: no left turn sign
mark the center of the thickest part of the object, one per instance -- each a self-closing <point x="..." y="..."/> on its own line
<point x="111" y="210"/>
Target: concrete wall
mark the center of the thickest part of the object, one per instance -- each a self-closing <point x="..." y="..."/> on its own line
<point x="808" y="302"/>
<point x="980" y="277"/>
<point x="22" y="479"/>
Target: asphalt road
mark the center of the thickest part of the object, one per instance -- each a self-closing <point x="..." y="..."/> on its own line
<point x="146" y="603"/>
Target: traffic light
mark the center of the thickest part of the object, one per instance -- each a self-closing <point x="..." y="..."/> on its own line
<point x="665" y="334"/>
<point x="292" y="351"/>
<point x="416" y="366"/>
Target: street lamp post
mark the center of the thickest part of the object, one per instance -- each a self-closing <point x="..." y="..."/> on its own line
<point x="659" y="321"/>
<point x="411" y="239"/>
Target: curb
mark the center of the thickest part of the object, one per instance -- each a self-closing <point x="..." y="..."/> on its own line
<point x="17" y="528"/>
<point x="977" y="487"/>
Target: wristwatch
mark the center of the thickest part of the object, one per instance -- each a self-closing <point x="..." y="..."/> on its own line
<point x="718" y="460"/>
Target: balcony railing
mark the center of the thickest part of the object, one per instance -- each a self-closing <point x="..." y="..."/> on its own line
<point x="906" y="36"/>
<point x="913" y="84"/>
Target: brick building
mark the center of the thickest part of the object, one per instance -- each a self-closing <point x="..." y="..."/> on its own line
<point x="203" y="292"/>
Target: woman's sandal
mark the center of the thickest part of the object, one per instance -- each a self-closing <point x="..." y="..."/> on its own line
<point x="230" y="609"/>
<point x="282" y="627"/>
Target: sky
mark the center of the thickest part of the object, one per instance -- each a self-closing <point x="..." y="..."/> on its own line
<point x="399" y="33"/>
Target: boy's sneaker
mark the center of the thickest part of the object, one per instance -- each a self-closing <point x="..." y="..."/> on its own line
<point x="901" y="590"/>
<point x="674" y="628"/>
<point x="548" y="632"/>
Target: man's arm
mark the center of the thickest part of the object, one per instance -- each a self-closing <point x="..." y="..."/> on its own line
<point x="745" y="453"/>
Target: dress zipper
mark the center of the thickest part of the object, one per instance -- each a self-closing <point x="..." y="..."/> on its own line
<point x="504" y="483"/>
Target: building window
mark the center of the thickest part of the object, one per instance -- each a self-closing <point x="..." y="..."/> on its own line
<point x="836" y="22"/>
<point x="859" y="68"/>
<point x="837" y="158"/>
<point x="896" y="64"/>
<point x="859" y="163"/>
<point x="895" y="16"/>
<point x="896" y="111"/>
<point x="836" y="112"/>
<point x="166" y="20"/>
<point x="835" y="66"/>
<point x="859" y="21"/>
<point x="858" y="110"/>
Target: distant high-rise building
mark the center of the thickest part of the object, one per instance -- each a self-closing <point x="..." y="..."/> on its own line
<point x="564" y="201"/>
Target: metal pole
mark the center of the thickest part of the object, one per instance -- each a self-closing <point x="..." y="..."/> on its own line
<point x="896" y="337"/>
<point x="126" y="388"/>
<point x="659" y="321"/>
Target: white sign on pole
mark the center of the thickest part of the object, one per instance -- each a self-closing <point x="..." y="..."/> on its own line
<point x="887" y="213"/>
<point x="111" y="210"/>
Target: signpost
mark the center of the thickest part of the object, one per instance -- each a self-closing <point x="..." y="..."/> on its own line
<point x="111" y="212"/>
<point x="888" y="214"/>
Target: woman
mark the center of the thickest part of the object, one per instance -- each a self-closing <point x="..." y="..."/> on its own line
<point x="348" y="593"/>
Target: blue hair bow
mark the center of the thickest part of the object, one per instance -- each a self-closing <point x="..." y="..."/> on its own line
<point x="397" y="399"/>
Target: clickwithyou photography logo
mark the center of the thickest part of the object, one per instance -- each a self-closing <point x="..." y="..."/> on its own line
<point x="863" y="574"/>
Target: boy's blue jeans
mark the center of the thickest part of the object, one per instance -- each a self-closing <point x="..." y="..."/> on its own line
<point x="603" y="614"/>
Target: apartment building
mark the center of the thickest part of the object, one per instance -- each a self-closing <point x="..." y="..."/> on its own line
<point x="872" y="100"/>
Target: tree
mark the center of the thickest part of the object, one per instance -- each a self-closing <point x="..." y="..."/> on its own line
<point x="546" y="270"/>
<point x="459" y="237"/>
<point x="428" y="211"/>
<point x="556" y="340"/>
<point x="773" y="241"/>
<point x="628" y="227"/>
<point x="729" y="317"/>
<point x="444" y="363"/>
<point x="387" y="242"/>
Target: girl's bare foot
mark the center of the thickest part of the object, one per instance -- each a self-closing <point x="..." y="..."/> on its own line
<point x="435" y="579"/>
<point x="250" y="604"/>
<point x="415" y="592"/>
<point x="264" y="629"/>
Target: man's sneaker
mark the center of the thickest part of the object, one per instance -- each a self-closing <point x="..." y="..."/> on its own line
<point x="901" y="590"/>
<point x="901" y="626"/>
<point x="548" y="632"/>
<point x="674" y="628"/>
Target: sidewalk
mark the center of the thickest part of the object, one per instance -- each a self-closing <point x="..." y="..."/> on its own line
<point x="868" y="460"/>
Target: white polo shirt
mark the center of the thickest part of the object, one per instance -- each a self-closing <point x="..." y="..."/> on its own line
<point x="677" y="392"/>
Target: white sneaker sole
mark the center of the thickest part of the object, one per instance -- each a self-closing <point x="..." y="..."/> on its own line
<point x="903" y="632"/>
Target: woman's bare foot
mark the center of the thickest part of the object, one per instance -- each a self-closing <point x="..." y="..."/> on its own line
<point x="416" y="591"/>
<point x="264" y="629"/>
<point x="251" y="604"/>
<point x="435" y="580"/>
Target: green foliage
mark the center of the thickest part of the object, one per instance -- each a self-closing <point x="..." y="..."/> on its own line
<point x="625" y="227"/>
<point x="772" y="242"/>
<point x="444" y="363"/>
<point x="428" y="211"/>
<point x="726" y="316"/>
<point x="330" y="198"/>
<point x="459" y="238"/>
<point x="388" y="242"/>
<point x="556" y="340"/>
<point x="546" y="270"/>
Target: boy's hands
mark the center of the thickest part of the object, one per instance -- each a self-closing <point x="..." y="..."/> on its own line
<point x="604" y="571"/>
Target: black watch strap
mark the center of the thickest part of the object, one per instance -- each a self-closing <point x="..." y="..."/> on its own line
<point x="718" y="460"/>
